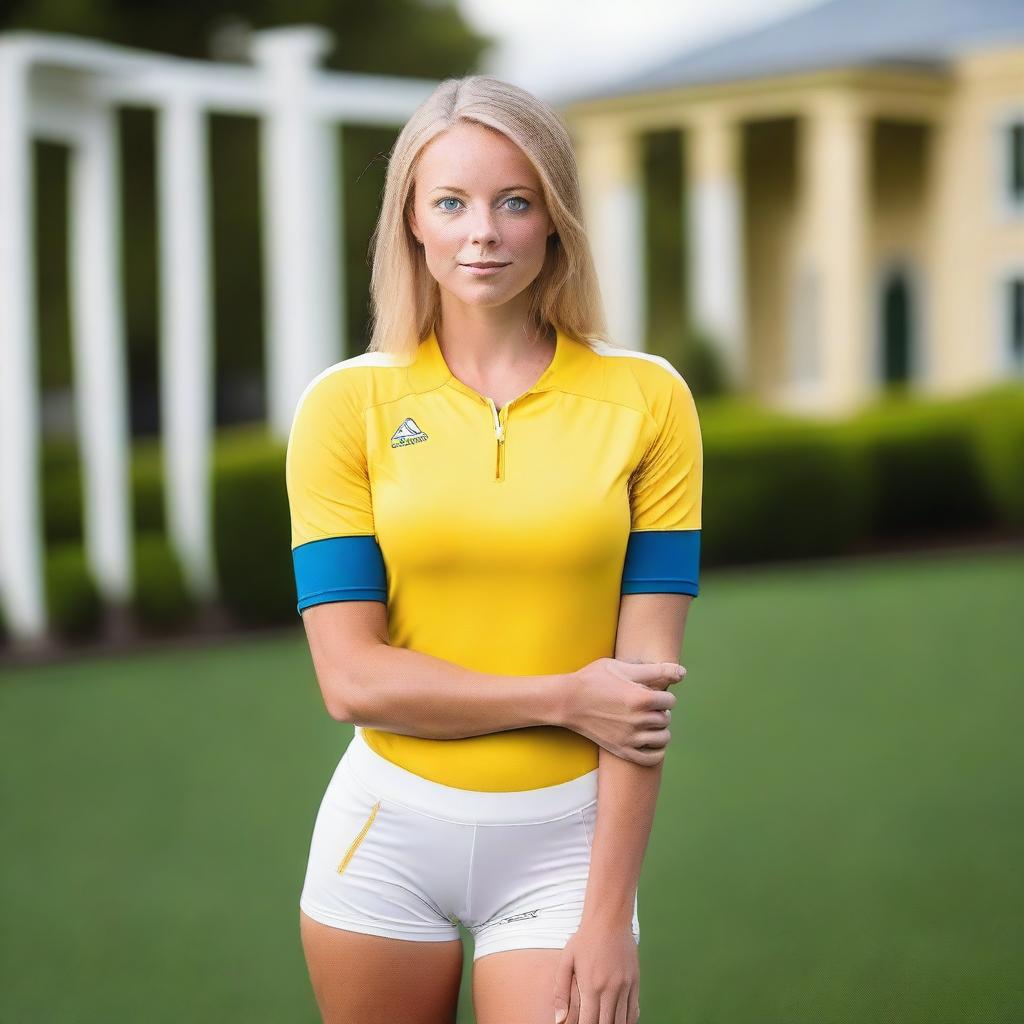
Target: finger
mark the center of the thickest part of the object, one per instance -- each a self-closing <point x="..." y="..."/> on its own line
<point x="609" y="1008"/>
<point x="656" y="671"/>
<point x="656" y="720"/>
<point x="655" y="738"/>
<point x="620" y="1007"/>
<point x="647" y="758"/>
<point x="563" y="987"/>
<point x="574" y="1003"/>
<point x="659" y="700"/>
<point x="633" y="1014"/>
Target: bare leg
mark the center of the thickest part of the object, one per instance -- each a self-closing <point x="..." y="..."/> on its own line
<point x="371" y="979"/>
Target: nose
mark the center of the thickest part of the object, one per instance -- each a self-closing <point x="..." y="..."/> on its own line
<point x="483" y="230"/>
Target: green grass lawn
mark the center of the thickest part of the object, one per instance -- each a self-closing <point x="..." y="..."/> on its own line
<point x="839" y="837"/>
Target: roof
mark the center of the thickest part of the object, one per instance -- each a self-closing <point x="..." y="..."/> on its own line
<point x="923" y="34"/>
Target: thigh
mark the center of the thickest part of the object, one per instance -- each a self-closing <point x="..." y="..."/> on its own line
<point x="517" y="985"/>
<point x="380" y="868"/>
<point x="372" y="979"/>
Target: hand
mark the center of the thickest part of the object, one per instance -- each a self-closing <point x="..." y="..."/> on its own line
<point x="624" y="707"/>
<point x="597" y="977"/>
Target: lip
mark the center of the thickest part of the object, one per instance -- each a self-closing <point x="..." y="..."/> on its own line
<point x="482" y="271"/>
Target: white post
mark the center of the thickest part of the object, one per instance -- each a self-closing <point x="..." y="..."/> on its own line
<point x="715" y="239"/>
<point x="611" y="179"/>
<point x="301" y="214"/>
<point x="21" y="532"/>
<point x="97" y="339"/>
<point x="186" y="345"/>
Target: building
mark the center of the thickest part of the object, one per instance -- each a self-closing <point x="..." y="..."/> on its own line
<point x="853" y="195"/>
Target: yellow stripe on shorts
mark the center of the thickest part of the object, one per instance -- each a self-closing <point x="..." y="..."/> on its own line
<point x="359" y="838"/>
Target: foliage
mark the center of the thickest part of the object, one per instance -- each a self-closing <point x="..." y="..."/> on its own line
<point x="162" y="600"/>
<point x="251" y="527"/>
<point x="72" y="597"/>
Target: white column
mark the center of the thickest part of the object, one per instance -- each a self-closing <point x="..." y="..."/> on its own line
<point x="186" y="342"/>
<point x="301" y="220"/>
<point x="609" y="159"/>
<point x="98" y="348"/>
<point x="832" y="254"/>
<point x="715" y="238"/>
<point x="21" y="533"/>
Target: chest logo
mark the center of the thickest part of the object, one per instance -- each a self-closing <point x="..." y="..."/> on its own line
<point x="407" y="433"/>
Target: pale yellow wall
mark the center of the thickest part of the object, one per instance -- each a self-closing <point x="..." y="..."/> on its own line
<point x="972" y="240"/>
<point x="770" y="191"/>
<point x="930" y="197"/>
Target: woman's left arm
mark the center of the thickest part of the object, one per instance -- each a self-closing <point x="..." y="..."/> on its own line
<point x="600" y="968"/>
<point x="650" y="629"/>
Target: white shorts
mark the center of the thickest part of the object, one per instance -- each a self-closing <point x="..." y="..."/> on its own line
<point x="395" y="854"/>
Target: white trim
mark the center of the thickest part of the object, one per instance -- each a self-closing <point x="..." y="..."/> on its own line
<point x="604" y="348"/>
<point x="363" y="359"/>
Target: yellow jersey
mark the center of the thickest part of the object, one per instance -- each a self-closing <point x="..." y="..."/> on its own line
<point x="499" y="539"/>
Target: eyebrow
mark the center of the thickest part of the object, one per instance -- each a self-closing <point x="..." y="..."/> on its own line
<point x="511" y="188"/>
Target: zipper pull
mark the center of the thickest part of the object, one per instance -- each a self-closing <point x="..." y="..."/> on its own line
<point x="499" y="430"/>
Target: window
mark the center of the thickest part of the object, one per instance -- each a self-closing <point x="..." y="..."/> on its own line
<point x="1010" y="164"/>
<point x="1015" y="163"/>
<point x="1013" y="320"/>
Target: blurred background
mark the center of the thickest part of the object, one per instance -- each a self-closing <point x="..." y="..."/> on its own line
<point x="815" y="211"/>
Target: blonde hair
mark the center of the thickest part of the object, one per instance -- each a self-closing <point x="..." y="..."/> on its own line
<point x="405" y="300"/>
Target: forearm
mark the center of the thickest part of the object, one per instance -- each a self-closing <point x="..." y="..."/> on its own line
<point x="650" y="629"/>
<point x="626" y="797"/>
<point x="405" y="691"/>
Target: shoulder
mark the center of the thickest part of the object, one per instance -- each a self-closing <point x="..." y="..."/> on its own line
<point x="653" y="382"/>
<point x="348" y="387"/>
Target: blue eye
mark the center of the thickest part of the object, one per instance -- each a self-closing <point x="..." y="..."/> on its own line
<point x="453" y="199"/>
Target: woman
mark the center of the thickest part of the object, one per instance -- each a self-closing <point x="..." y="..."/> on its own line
<point x="495" y="536"/>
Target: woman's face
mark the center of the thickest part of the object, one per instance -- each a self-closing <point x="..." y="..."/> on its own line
<point x="478" y="198"/>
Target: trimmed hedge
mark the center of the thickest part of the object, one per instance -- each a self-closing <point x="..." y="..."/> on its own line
<point x="997" y="422"/>
<point x="62" y="489"/>
<point x="926" y="474"/>
<point x="148" y="487"/>
<point x="252" y="527"/>
<point x="161" y="601"/>
<point x="72" y="597"/>
<point x="780" y="491"/>
<point x="61" y="492"/>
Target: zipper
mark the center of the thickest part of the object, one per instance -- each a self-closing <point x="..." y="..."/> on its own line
<point x="499" y="437"/>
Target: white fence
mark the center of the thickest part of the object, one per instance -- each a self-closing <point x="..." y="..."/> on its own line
<point x="67" y="90"/>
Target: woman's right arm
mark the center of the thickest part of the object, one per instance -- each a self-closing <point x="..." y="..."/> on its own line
<point x="366" y="681"/>
<point x="341" y="586"/>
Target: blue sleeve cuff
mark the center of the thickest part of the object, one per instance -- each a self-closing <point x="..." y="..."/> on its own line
<point x="662" y="562"/>
<point x="339" y="569"/>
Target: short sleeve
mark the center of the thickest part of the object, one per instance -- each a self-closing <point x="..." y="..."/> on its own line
<point x="335" y="553"/>
<point x="663" y="551"/>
